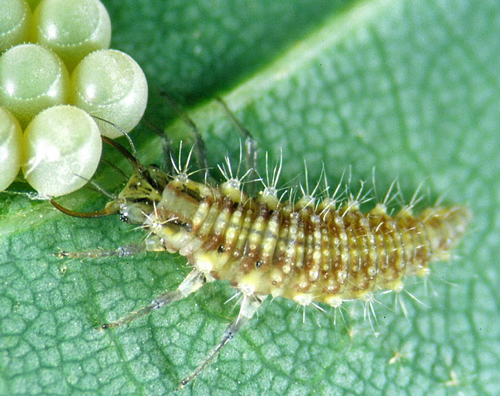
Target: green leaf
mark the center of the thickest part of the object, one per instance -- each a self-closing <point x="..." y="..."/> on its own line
<point x="408" y="87"/>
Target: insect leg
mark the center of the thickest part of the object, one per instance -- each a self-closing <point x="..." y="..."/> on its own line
<point x="190" y="284"/>
<point x="122" y="251"/>
<point x="248" y="308"/>
<point x="250" y="143"/>
<point x="167" y="147"/>
<point x="199" y="146"/>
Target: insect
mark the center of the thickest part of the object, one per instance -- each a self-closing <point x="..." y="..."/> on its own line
<point x="307" y="250"/>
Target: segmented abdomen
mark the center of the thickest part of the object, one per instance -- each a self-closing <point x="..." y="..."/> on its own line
<point x="301" y="251"/>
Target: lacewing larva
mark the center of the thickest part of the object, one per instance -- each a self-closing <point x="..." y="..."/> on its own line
<point x="309" y="250"/>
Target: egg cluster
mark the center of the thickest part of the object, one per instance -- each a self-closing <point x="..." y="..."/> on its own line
<point x="58" y="82"/>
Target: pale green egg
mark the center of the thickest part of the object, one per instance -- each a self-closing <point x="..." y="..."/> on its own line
<point x="32" y="78"/>
<point x="10" y="148"/>
<point x="71" y="28"/>
<point x="15" y="18"/>
<point x="109" y="84"/>
<point x="61" y="150"/>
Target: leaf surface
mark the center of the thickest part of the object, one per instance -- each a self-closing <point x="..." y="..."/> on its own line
<point x="410" y="88"/>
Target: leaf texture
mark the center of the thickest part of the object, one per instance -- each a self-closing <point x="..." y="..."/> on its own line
<point x="408" y="88"/>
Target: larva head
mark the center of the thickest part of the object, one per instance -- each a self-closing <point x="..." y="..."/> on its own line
<point x="137" y="199"/>
<point x="142" y="192"/>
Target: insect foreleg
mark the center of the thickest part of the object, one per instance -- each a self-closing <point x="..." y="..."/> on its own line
<point x="190" y="284"/>
<point x="248" y="308"/>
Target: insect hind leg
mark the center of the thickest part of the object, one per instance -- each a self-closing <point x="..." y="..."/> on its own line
<point x="190" y="284"/>
<point x="249" y="306"/>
